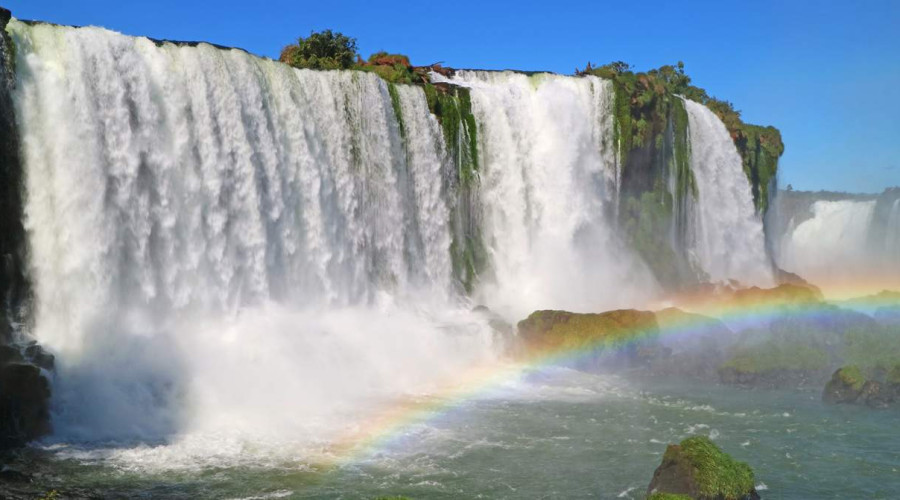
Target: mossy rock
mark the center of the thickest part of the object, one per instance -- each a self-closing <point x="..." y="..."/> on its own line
<point x="668" y="496"/>
<point x="845" y="385"/>
<point x="562" y="330"/>
<point x="698" y="469"/>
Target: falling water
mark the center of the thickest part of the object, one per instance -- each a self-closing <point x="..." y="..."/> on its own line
<point x="548" y="185"/>
<point x="728" y="238"/>
<point x="223" y="247"/>
<point x="222" y="242"/>
<point x="844" y="243"/>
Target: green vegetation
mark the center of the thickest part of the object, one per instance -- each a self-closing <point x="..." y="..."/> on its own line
<point x="393" y="68"/>
<point x="716" y="473"/>
<point x="565" y="330"/>
<point x="321" y="50"/>
<point x="646" y="101"/>
<point x="668" y="496"/>
<point x="645" y="219"/>
<point x="777" y="355"/>
<point x="873" y="348"/>
<point x="398" y="110"/>
<point x="852" y="377"/>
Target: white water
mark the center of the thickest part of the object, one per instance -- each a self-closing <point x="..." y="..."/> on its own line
<point x="840" y="245"/>
<point x="548" y="182"/>
<point x="229" y="254"/>
<point x="222" y="245"/>
<point x="728" y="238"/>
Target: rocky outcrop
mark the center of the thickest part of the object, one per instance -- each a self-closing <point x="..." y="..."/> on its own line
<point x="586" y="337"/>
<point x="24" y="408"/>
<point x="24" y="387"/>
<point x="849" y="385"/>
<point x="698" y="469"/>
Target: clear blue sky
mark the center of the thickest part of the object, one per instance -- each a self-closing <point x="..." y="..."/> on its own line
<point x="826" y="73"/>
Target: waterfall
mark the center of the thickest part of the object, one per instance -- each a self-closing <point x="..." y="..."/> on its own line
<point x="219" y="241"/>
<point x="842" y="243"/>
<point x="548" y="187"/>
<point x="727" y="237"/>
<point x="222" y="245"/>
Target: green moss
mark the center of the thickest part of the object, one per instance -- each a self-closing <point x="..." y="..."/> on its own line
<point x="566" y="330"/>
<point x="645" y="220"/>
<point x="398" y="110"/>
<point x="716" y="473"/>
<point x="668" y="496"/>
<point x="851" y="376"/>
<point x="391" y="74"/>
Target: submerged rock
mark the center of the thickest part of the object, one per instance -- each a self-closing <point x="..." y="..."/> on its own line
<point x="698" y="469"/>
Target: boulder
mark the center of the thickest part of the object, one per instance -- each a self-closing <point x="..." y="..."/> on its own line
<point x="846" y="386"/>
<point x="874" y="394"/>
<point x="587" y="337"/>
<point x="698" y="469"/>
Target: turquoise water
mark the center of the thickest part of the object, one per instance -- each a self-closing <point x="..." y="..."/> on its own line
<point x="560" y="435"/>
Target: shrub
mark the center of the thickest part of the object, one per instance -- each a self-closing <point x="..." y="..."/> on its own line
<point x="321" y="50"/>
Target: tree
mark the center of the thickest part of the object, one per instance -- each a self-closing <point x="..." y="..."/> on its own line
<point x="321" y="50"/>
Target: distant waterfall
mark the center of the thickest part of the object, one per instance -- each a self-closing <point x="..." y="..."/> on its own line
<point x="840" y="243"/>
<point x="548" y="185"/>
<point x="728" y="240"/>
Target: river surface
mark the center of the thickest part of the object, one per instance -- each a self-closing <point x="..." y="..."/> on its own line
<point x="551" y="434"/>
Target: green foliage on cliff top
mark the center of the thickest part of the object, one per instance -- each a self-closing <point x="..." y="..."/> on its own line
<point x="717" y="474"/>
<point x="321" y="50"/>
<point x="644" y="100"/>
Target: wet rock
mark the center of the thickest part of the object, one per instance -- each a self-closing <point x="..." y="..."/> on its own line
<point x="24" y="404"/>
<point x="846" y="386"/>
<point x="875" y="395"/>
<point x="587" y="336"/>
<point x="698" y="469"/>
<point x="39" y="357"/>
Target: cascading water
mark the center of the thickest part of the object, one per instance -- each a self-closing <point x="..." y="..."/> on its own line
<point x="844" y="245"/>
<point x="548" y="188"/>
<point x="222" y="243"/>
<point x="728" y="240"/>
<point x="227" y="250"/>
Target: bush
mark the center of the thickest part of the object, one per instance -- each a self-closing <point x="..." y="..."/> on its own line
<point x="321" y="50"/>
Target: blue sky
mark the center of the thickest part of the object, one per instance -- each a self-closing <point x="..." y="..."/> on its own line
<point x="826" y="73"/>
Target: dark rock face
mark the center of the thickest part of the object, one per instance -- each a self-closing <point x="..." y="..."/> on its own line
<point x="24" y="408"/>
<point x="24" y="388"/>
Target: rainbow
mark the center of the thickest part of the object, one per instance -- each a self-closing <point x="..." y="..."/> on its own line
<point x="379" y="431"/>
